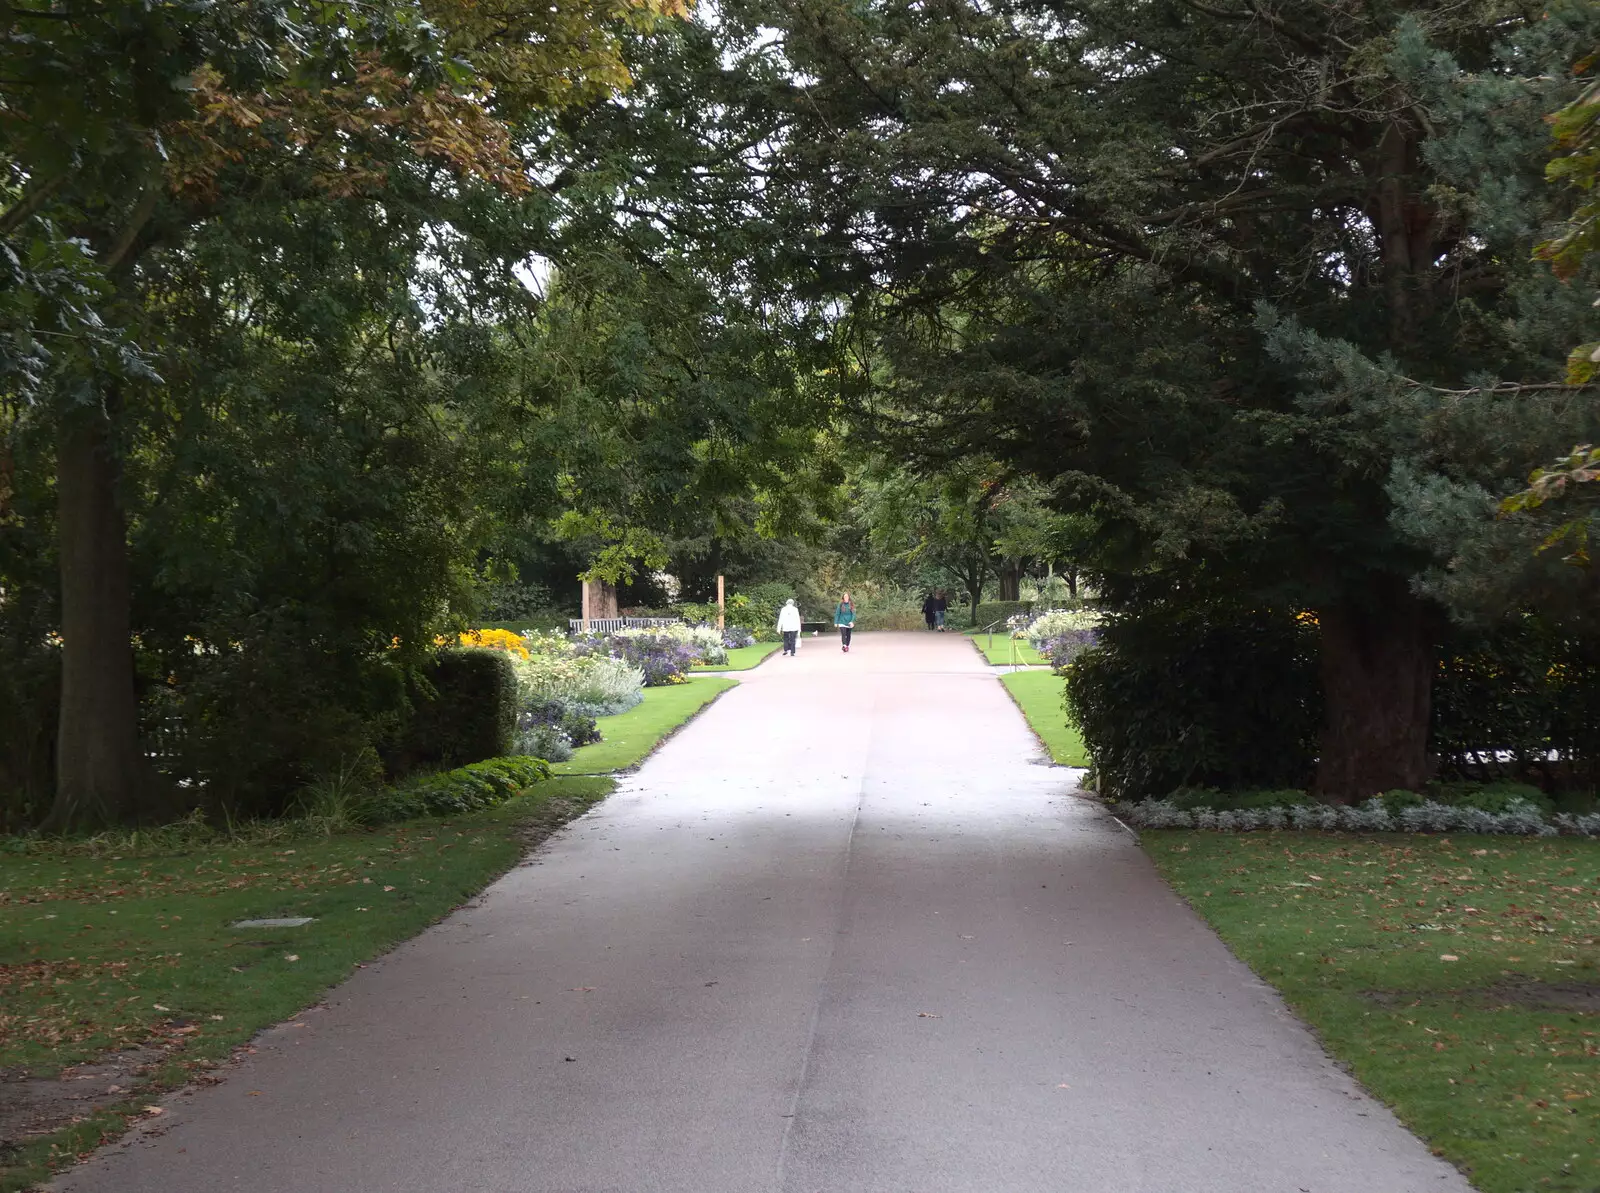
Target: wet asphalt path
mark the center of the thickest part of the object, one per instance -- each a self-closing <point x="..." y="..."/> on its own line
<point x="845" y="933"/>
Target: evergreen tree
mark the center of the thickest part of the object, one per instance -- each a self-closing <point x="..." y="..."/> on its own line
<point x="1250" y="281"/>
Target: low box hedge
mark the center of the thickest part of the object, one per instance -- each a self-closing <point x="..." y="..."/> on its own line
<point x="454" y="792"/>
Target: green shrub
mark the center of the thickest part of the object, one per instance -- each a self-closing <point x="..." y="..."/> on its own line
<point x="1197" y="696"/>
<point x="454" y="792"/>
<point x="1192" y="799"/>
<point x="990" y="612"/>
<point x="30" y="685"/>
<point x="887" y="609"/>
<point x="1496" y="797"/>
<point x="463" y="711"/>
<point x="1506" y="698"/>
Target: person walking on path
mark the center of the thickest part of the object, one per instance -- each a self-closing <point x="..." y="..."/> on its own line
<point x="929" y="604"/>
<point x="940" y="607"/>
<point x="844" y="616"/>
<point x="789" y="626"/>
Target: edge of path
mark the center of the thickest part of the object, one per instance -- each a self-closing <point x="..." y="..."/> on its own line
<point x="36" y="1164"/>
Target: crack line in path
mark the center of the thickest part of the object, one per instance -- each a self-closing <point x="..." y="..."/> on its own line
<point x="827" y="968"/>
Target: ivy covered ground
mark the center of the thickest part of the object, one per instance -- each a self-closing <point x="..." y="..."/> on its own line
<point x="1456" y="976"/>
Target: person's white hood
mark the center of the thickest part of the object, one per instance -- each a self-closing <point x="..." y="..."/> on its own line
<point x="789" y="618"/>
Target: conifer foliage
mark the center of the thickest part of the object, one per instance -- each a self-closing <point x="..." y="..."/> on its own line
<point x="1251" y="280"/>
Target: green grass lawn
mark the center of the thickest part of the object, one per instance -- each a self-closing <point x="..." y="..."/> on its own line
<point x="742" y="658"/>
<point x="1456" y="976"/>
<point x="132" y="947"/>
<point x="998" y="650"/>
<point x="1038" y="694"/>
<point x="627" y="738"/>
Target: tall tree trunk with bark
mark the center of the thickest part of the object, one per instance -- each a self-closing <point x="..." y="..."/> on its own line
<point x="1377" y="681"/>
<point x="99" y="770"/>
<point x="1011" y="582"/>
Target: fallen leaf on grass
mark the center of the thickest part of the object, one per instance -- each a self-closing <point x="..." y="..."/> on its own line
<point x="291" y="956"/>
<point x="1448" y="957"/>
<point x="388" y="888"/>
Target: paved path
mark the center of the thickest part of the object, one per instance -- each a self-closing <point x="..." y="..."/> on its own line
<point x="844" y="934"/>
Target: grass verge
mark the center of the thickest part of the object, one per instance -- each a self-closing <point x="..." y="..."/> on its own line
<point x="998" y="650"/>
<point x="1039" y="695"/>
<point x="125" y="958"/>
<point x="1455" y="976"/>
<point x="628" y="738"/>
<point x="742" y="658"/>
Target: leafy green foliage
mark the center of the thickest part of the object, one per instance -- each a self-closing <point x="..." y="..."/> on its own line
<point x="1507" y="699"/>
<point x="463" y="711"/>
<point x="1291" y="344"/>
<point x="455" y="792"/>
<point x="1576" y="130"/>
<point x="1185" y="695"/>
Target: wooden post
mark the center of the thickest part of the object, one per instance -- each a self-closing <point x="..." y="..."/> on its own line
<point x="722" y="606"/>
<point x="583" y="623"/>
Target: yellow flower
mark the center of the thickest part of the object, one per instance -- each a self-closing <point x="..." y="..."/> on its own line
<point x="496" y="640"/>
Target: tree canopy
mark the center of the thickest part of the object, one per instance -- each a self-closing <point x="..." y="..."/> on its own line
<point x="325" y="323"/>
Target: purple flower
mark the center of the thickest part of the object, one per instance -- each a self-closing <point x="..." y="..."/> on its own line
<point x="663" y="660"/>
<point x="1062" y="648"/>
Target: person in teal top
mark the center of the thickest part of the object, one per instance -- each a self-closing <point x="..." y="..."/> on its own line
<point x="844" y="616"/>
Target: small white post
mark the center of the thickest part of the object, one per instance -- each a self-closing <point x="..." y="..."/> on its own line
<point x="722" y="606"/>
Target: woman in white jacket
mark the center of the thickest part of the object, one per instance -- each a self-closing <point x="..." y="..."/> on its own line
<point x="789" y="625"/>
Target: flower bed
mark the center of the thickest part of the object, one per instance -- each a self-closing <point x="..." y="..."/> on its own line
<point x="1060" y="634"/>
<point x="1520" y="817"/>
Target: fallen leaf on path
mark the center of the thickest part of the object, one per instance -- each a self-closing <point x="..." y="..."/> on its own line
<point x="1063" y="1085"/>
<point x="581" y="989"/>
<point x="154" y="1110"/>
<point x="928" y="1015"/>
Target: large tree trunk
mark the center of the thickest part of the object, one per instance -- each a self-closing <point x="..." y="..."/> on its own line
<point x="1011" y="582"/>
<point x="99" y="772"/>
<point x="1377" y="681"/>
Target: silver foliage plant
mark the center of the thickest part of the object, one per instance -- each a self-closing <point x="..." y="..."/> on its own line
<point x="1521" y="818"/>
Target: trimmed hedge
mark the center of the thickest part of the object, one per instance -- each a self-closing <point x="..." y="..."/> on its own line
<point x="1184" y="696"/>
<point x="990" y="612"/>
<point x="464" y="711"/>
<point x="454" y="792"/>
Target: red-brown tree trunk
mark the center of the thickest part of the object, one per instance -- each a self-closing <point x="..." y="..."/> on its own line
<point x="99" y="769"/>
<point x="1377" y="681"/>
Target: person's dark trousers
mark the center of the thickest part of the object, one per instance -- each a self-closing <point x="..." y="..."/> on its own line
<point x="844" y="636"/>
<point x="789" y="637"/>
